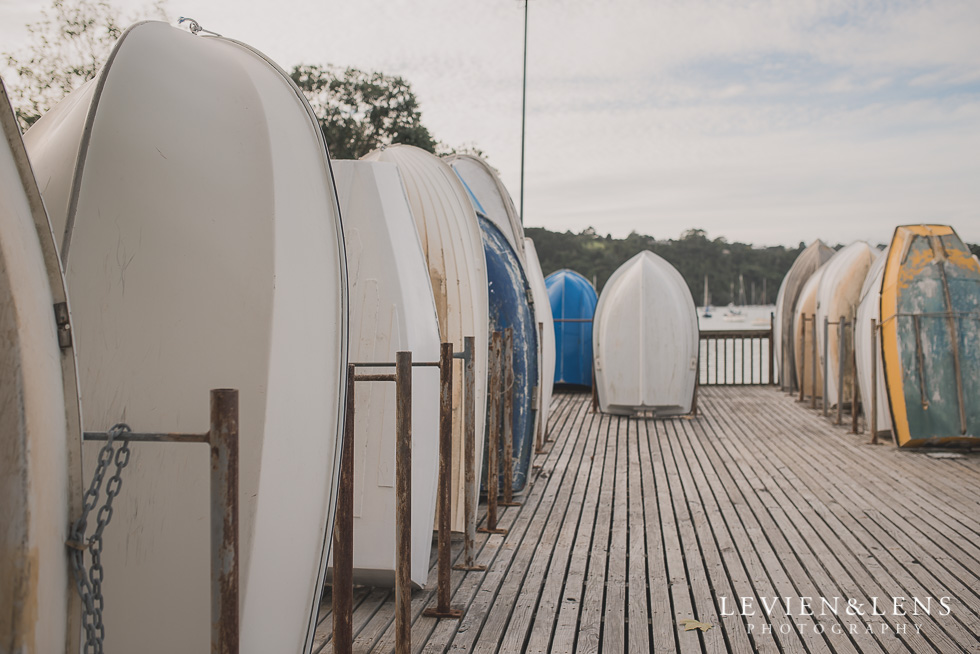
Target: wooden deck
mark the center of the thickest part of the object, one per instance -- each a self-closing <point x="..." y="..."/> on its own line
<point x="633" y="525"/>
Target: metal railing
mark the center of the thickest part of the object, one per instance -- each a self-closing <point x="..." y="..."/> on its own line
<point x="736" y="357"/>
<point x="222" y="439"/>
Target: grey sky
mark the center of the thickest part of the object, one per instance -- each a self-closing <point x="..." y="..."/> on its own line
<point x="761" y="121"/>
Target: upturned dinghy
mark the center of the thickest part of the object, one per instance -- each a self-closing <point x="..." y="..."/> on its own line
<point x="814" y="256"/>
<point x="546" y="332"/>
<point x="930" y="327"/>
<point x="808" y="367"/>
<point x="509" y="308"/>
<point x="453" y="248"/>
<point x="864" y="340"/>
<point x="391" y="310"/>
<point x="573" y="301"/>
<point x="493" y="199"/>
<point x="838" y="295"/>
<point x="191" y="193"/>
<point x="646" y="340"/>
<point x="40" y="439"/>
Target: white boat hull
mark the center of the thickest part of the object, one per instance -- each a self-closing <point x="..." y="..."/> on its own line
<point x="838" y="296"/>
<point x="546" y="342"/>
<point x="453" y="248"/>
<point x="391" y="310"/>
<point x="645" y="339"/>
<point x="805" y="265"/>
<point x="199" y="260"/>
<point x="486" y="187"/>
<point x="39" y="418"/>
<point x="810" y="376"/>
<point x="868" y="309"/>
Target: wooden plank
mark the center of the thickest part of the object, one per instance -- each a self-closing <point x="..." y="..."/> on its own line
<point x="681" y="601"/>
<point x="590" y="618"/>
<point x="917" y="579"/>
<point x="663" y="630"/>
<point x="464" y="634"/>
<point x="638" y="615"/>
<point x="813" y="581"/>
<point x="911" y="532"/>
<point x="367" y="601"/>
<point x="546" y="615"/>
<point x="860" y="554"/>
<point x="550" y="557"/>
<point x="709" y="529"/>
<point x="572" y="599"/>
<point x="633" y="524"/>
<point x="614" y="627"/>
<point x="511" y="612"/>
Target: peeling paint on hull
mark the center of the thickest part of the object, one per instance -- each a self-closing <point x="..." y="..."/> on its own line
<point x="930" y="308"/>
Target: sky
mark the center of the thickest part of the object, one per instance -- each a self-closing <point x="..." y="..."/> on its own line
<point x="767" y="122"/>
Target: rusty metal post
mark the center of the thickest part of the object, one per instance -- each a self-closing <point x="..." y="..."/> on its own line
<point x="826" y="362"/>
<point x="803" y="358"/>
<point x="855" y="399"/>
<point x="815" y="359"/>
<point x="469" y="454"/>
<point x="443" y="610"/>
<point x="508" y="430"/>
<point x="841" y="335"/>
<point x="223" y="439"/>
<point x="595" y="390"/>
<point x="403" y="508"/>
<point x="343" y="534"/>
<point x="539" y="394"/>
<point x="772" y="344"/>
<point x="544" y="381"/>
<point x="874" y="381"/>
<point x="493" y="469"/>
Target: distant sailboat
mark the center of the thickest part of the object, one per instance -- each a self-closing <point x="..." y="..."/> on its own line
<point x="733" y="314"/>
<point x="707" y="300"/>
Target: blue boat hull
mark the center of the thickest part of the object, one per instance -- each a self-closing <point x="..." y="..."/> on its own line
<point x="509" y="307"/>
<point x="573" y="300"/>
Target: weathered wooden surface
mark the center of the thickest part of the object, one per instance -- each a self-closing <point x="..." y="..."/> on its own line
<point x="633" y="525"/>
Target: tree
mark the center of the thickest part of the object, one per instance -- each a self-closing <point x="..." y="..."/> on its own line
<point x="360" y="111"/>
<point x="68" y="46"/>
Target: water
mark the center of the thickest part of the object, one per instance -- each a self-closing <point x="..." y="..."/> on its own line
<point x="717" y="321"/>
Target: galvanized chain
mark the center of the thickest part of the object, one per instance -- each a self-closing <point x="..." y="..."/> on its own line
<point x="89" y="581"/>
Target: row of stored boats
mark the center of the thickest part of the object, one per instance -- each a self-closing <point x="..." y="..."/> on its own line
<point x="912" y="317"/>
<point x="182" y="217"/>
<point x="184" y="205"/>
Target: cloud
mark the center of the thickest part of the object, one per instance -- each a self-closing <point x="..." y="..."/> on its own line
<point x="764" y="120"/>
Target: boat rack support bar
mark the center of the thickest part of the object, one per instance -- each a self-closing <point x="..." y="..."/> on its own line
<point x="342" y="593"/>
<point x="469" y="455"/>
<point x="814" y="359"/>
<point x="841" y="335"/>
<point x="803" y="356"/>
<point x="826" y="364"/>
<point x="403" y="507"/>
<point x="443" y="610"/>
<point x="772" y="346"/>
<point x="508" y="435"/>
<point x="541" y="435"/>
<point x="222" y="437"/>
<point x="493" y="468"/>
<point x="874" y="382"/>
<point x="855" y="397"/>
<point x="343" y="544"/>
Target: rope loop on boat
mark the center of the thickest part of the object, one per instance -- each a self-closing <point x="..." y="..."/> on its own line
<point x="194" y="26"/>
<point x="88" y="580"/>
